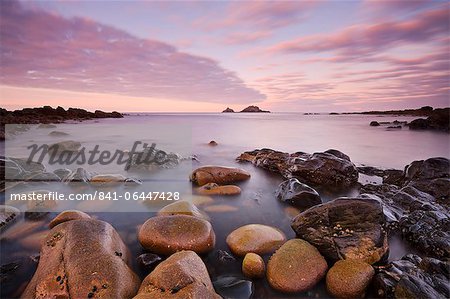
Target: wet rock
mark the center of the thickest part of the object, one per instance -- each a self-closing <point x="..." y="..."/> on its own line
<point x="214" y="189"/>
<point x="338" y="154"/>
<point x="349" y="279"/>
<point x="182" y="207"/>
<point x="62" y="172"/>
<point x="83" y="257"/>
<point x="393" y="177"/>
<point x="225" y="257"/>
<point x="169" y="234"/>
<point x="296" y="267"/>
<point x="79" y="175"/>
<point x="429" y="231"/>
<point x="218" y="174"/>
<point x="413" y="277"/>
<point x="65" y="146"/>
<point x="149" y="260"/>
<point x="345" y="228"/>
<point x="68" y="215"/>
<point x="41" y="204"/>
<point x="329" y="169"/>
<point x="8" y="215"/>
<point x="253" y="266"/>
<point x="234" y="287"/>
<point x="297" y="194"/>
<point x="42" y="177"/>
<point x="57" y="133"/>
<point x="18" y="168"/>
<point x="152" y="158"/>
<point x="438" y="188"/>
<point x="394" y="127"/>
<point x="256" y="238"/>
<point x="374" y="124"/>
<point x="439" y="120"/>
<point x="107" y="178"/>
<point x="8" y="270"/>
<point x="429" y="169"/>
<point x="182" y="275"/>
<point x="213" y="143"/>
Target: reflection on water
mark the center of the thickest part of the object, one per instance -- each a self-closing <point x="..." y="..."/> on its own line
<point x="234" y="133"/>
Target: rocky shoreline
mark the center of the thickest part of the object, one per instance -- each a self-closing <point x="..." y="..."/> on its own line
<point x="48" y="115"/>
<point x="342" y="243"/>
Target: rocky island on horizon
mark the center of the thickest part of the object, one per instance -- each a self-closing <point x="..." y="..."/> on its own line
<point x="249" y="109"/>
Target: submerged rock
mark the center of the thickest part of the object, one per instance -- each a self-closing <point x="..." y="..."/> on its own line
<point x="62" y="172"/>
<point x="68" y="215"/>
<point x="57" y="133"/>
<point x="345" y="228"/>
<point x="234" y="287"/>
<point x="83" y="258"/>
<point x="213" y="143"/>
<point x="374" y="124"/>
<point x="182" y="275"/>
<point x="331" y="169"/>
<point x="296" y="267"/>
<point x="214" y="189"/>
<point x="413" y="277"/>
<point x="218" y="174"/>
<point x="79" y="175"/>
<point x="297" y="194"/>
<point x="8" y="216"/>
<point x="256" y="238"/>
<point x="349" y="279"/>
<point x="65" y="146"/>
<point x="182" y="207"/>
<point x="169" y="234"/>
<point x="149" y="260"/>
<point x="152" y="158"/>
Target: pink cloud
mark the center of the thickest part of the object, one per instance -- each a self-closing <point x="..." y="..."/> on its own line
<point x="362" y="41"/>
<point x="44" y="50"/>
<point x="238" y="38"/>
<point x="266" y="15"/>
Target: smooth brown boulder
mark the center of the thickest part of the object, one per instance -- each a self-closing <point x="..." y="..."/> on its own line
<point x="68" y="215"/>
<point x="182" y="275"/>
<point x="256" y="238"/>
<point x="218" y="174"/>
<point x="296" y="267"/>
<point x="253" y="266"/>
<point x="169" y="234"/>
<point x="214" y="189"/>
<point x="349" y="279"/>
<point x="80" y="259"/>
<point x="182" y="207"/>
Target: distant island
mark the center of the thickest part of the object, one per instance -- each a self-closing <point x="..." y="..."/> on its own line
<point x="249" y="109"/>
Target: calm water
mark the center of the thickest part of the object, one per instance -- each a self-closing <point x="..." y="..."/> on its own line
<point x="188" y="134"/>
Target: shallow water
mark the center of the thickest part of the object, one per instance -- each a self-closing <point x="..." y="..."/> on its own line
<point x="188" y="134"/>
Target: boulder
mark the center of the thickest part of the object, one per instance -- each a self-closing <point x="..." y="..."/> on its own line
<point x="214" y="189"/>
<point x="169" y="234"/>
<point x="297" y="194"/>
<point x="374" y="124"/>
<point x="428" y="169"/>
<point x="228" y="110"/>
<point x="413" y="277"/>
<point x="182" y="275"/>
<point x="345" y="228"/>
<point x="349" y="279"/>
<point x="58" y="133"/>
<point x="65" y="146"/>
<point x="68" y="215"/>
<point x="213" y="143"/>
<point x="256" y="238"/>
<point x="331" y="169"/>
<point x="253" y="266"/>
<point x="83" y="258"/>
<point x="80" y="175"/>
<point x="296" y="267"/>
<point x="182" y="207"/>
<point x="218" y="174"/>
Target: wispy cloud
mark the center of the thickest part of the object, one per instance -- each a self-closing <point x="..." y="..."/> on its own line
<point x="44" y="50"/>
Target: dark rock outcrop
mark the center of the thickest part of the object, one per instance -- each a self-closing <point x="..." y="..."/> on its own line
<point x="228" y="110"/>
<point x="331" y="169"/>
<point x="345" y="228"/>
<point x="252" y="109"/>
<point x="413" y="277"/>
<point x="297" y="194"/>
<point x="439" y="120"/>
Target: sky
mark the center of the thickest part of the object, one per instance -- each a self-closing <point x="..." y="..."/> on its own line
<point x="185" y="56"/>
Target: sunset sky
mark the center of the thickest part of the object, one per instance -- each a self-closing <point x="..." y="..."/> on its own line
<point x="305" y="56"/>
